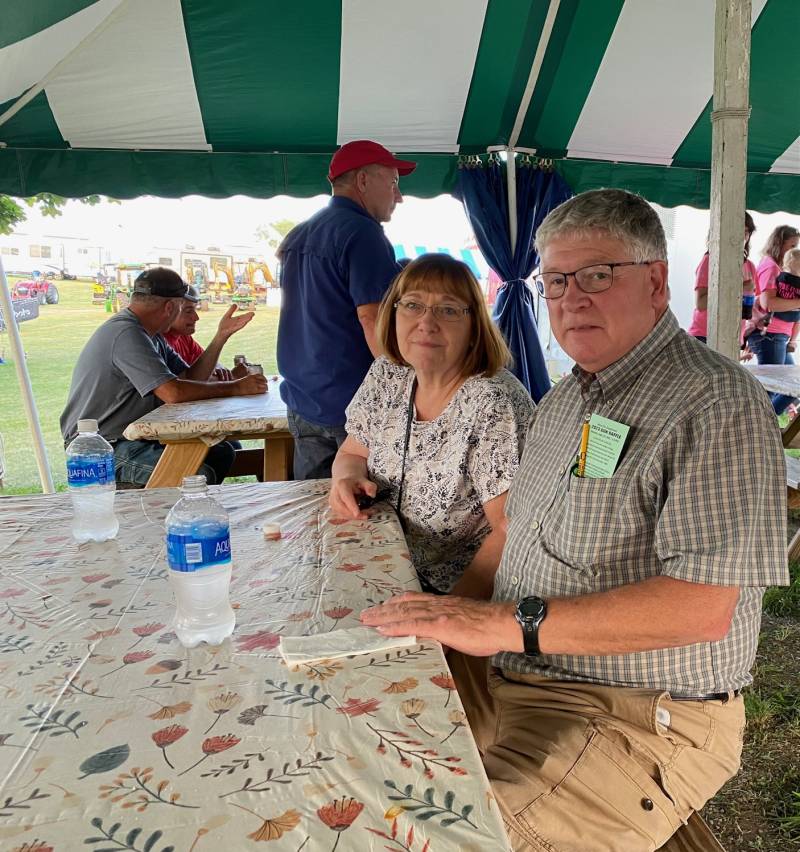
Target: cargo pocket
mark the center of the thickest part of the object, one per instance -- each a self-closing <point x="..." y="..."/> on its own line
<point x="708" y="735"/>
<point x="606" y="803"/>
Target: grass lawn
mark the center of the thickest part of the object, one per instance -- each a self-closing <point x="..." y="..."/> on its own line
<point x="757" y="810"/>
<point x="52" y="344"/>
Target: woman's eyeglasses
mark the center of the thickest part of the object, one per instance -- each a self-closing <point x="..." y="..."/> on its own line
<point x="446" y="313"/>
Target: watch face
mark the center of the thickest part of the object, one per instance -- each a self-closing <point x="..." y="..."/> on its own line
<point x="531" y="608"/>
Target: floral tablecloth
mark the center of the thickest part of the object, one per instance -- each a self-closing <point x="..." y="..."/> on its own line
<point x="115" y="737"/>
<point x="212" y="420"/>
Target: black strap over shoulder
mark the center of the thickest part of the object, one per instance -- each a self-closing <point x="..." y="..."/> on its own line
<point x="409" y="421"/>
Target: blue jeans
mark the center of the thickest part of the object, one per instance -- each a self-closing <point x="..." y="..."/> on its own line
<point x="771" y="349"/>
<point x="315" y="446"/>
<point x="135" y="461"/>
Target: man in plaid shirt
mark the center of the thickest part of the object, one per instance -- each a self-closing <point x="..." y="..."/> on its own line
<point x="626" y="608"/>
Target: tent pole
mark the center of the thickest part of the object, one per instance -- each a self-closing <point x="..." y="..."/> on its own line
<point x="34" y="90"/>
<point x="511" y="178"/>
<point x="25" y="384"/>
<point x="536" y="67"/>
<point x="522" y="111"/>
<point x="729" y="117"/>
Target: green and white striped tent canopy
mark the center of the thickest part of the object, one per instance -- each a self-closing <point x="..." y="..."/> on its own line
<point x="172" y="97"/>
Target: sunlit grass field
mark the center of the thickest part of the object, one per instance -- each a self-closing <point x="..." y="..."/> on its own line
<point x="52" y="344"/>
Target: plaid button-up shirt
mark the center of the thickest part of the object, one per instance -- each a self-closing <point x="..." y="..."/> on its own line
<point x="699" y="495"/>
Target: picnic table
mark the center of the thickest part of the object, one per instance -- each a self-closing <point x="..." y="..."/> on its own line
<point x="115" y="736"/>
<point x="188" y="429"/>
<point x="785" y="379"/>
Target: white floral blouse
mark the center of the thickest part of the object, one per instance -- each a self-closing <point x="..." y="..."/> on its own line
<point x="465" y="457"/>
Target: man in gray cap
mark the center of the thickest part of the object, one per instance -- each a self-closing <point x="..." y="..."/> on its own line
<point x="126" y="369"/>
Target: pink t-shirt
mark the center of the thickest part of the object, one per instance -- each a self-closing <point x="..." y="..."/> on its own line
<point x="699" y="325"/>
<point x="768" y="271"/>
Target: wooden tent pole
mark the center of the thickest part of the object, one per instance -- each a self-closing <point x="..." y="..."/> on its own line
<point x="729" y="119"/>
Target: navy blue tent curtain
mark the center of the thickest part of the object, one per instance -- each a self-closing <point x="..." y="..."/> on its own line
<point x="483" y="191"/>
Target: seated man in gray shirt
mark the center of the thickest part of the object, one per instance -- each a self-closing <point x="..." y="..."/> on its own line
<point x="127" y="369"/>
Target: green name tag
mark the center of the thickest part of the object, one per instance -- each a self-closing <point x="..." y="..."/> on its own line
<point x="606" y="440"/>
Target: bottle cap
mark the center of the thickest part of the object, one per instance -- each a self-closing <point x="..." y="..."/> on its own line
<point x="239" y="359"/>
<point x="87" y="425"/>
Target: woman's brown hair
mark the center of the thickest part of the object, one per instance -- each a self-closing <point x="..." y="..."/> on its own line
<point x="440" y="273"/>
<point x="776" y="240"/>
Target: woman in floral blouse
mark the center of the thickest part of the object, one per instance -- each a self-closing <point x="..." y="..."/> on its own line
<point x="437" y="427"/>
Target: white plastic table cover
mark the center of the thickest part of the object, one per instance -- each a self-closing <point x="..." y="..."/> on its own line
<point x="777" y="378"/>
<point x="115" y="737"/>
<point x="212" y="420"/>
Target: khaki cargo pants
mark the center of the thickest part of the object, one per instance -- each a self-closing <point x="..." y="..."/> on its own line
<point x="577" y="767"/>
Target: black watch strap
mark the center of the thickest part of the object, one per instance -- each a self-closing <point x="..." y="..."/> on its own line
<point x="530" y="614"/>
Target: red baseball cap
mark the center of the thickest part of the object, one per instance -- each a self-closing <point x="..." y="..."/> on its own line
<point x="363" y="152"/>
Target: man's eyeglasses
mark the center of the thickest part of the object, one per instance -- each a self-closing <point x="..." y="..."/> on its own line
<point x="446" y="313"/>
<point x="590" y="279"/>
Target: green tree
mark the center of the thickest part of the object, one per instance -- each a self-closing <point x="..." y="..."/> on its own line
<point x="266" y="233"/>
<point x="12" y="213"/>
<point x="283" y="226"/>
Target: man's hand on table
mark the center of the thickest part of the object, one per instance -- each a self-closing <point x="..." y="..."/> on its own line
<point x="476" y="628"/>
<point x="222" y="374"/>
<point x="232" y="322"/>
<point x="251" y="384"/>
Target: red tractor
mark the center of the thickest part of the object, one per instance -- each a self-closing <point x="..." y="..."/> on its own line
<point x="36" y="288"/>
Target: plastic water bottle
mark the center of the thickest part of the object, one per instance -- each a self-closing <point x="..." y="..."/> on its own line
<point x="90" y="477"/>
<point x="199" y="556"/>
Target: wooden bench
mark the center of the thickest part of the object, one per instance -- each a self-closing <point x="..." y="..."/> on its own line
<point x="695" y="836"/>
<point x="793" y="500"/>
<point x="272" y="464"/>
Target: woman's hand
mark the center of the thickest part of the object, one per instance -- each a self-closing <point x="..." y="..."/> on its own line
<point x="345" y="492"/>
<point x="349" y="472"/>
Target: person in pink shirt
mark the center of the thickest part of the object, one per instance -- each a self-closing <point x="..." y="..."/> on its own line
<point x="772" y="347"/>
<point x="699" y="324"/>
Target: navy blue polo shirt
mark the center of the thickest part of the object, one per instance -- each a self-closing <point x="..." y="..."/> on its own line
<point x="337" y="260"/>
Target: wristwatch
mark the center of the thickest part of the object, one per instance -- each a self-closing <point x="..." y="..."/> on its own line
<point x="530" y="614"/>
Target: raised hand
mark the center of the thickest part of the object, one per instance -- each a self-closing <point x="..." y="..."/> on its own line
<point x="232" y="322"/>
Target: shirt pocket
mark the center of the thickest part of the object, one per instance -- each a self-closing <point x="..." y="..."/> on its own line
<point x="595" y="522"/>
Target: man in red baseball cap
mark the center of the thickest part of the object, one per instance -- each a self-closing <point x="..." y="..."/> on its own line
<point x="335" y="269"/>
<point x="364" y="152"/>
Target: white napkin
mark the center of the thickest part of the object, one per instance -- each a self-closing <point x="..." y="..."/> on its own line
<point x="338" y="643"/>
